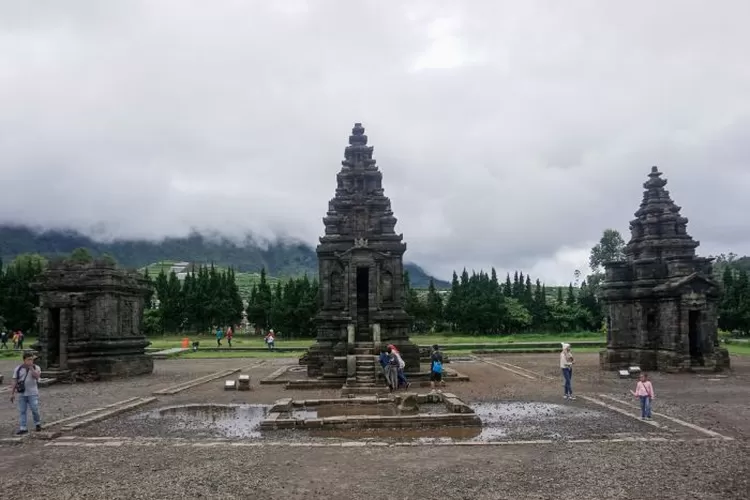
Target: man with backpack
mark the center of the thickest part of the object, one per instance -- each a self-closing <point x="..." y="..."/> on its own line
<point x="436" y="367"/>
<point x="25" y="384"/>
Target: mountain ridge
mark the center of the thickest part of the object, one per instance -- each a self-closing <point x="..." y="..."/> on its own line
<point x="280" y="258"/>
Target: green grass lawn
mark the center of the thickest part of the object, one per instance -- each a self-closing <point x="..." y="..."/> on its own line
<point x="210" y="341"/>
<point x="170" y="341"/>
<point x="738" y="349"/>
<point x="239" y="354"/>
<point x="442" y="339"/>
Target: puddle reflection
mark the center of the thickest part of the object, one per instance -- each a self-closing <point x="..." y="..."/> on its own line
<point x="240" y="421"/>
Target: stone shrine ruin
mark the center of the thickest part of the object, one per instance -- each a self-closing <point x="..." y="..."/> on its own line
<point x="661" y="302"/>
<point x="360" y="260"/>
<point x="90" y="321"/>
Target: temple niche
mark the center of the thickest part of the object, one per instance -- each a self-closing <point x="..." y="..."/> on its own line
<point x="90" y="317"/>
<point x="661" y="302"/>
<point x="360" y="261"/>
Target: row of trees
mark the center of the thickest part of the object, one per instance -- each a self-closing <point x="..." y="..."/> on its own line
<point x="734" y="310"/>
<point x="18" y="302"/>
<point x="208" y="297"/>
<point x="480" y="304"/>
<point x="477" y="303"/>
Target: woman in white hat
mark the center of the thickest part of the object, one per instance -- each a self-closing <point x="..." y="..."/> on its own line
<point x="566" y="365"/>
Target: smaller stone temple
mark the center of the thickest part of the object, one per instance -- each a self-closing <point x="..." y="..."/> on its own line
<point x="360" y="260"/>
<point x="661" y="302"/>
<point x="90" y="317"/>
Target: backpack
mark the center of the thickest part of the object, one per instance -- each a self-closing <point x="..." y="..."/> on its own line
<point x="437" y="366"/>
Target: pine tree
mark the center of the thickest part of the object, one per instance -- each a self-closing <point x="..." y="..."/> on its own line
<point x="453" y="304"/>
<point x="150" y="293"/>
<point x="571" y="298"/>
<point x="279" y="312"/>
<point x="412" y="304"/>
<point x="434" y="306"/>
<point x="539" y="309"/>
<point x="528" y="294"/>
<point x="508" y="288"/>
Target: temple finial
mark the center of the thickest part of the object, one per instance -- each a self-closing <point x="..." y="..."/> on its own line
<point x="358" y="136"/>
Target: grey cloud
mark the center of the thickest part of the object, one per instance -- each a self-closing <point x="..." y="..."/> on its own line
<point x="149" y="118"/>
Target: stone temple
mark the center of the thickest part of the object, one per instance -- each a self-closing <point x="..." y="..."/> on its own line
<point x="661" y="303"/>
<point x="360" y="260"/>
<point x="90" y="322"/>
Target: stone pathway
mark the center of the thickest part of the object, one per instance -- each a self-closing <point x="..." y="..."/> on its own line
<point x="168" y="353"/>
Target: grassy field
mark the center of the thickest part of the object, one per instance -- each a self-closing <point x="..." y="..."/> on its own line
<point x="447" y="343"/>
<point x="240" y="354"/>
<point x="167" y="342"/>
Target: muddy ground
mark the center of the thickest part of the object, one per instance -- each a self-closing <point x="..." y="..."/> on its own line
<point x="582" y="454"/>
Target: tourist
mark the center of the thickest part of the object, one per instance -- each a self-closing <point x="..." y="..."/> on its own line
<point x="645" y="391"/>
<point x="20" y="340"/>
<point x="402" y="382"/>
<point x="566" y="364"/>
<point x="230" y="334"/>
<point x="15" y="341"/>
<point x="219" y="334"/>
<point x="25" y="378"/>
<point x="270" y="340"/>
<point x="383" y="359"/>
<point x="391" y="372"/>
<point x="436" y="367"/>
<point x="3" y="340"/>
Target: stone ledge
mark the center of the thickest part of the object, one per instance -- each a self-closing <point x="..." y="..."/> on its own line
<point x="460" y="413"/>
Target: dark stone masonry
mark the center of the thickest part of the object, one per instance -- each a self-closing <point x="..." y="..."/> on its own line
<point x="90" y="322"/>
<point x="661" y="302"/>
<point x="360" y="260"/>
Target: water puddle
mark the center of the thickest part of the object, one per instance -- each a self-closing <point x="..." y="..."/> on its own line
<point x="236" y="421"/>
<point x="500" y="421"/>
<point x="522" y="419"/>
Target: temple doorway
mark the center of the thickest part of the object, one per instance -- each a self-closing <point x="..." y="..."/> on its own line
<point x="363" y="304"/>
<point x="694" y="336"/>
<point x="53" y="344"/>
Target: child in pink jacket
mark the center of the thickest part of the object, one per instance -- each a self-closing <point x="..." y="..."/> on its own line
<point x="645" y="391"/>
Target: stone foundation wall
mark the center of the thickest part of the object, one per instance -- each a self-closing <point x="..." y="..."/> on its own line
<point x="659" y="360"/>
<point x="106" y="368"/>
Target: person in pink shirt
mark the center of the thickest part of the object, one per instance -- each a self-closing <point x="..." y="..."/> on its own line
<point x="645" y="391"/>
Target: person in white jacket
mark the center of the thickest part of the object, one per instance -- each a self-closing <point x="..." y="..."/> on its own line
<point x="566" y="365"/>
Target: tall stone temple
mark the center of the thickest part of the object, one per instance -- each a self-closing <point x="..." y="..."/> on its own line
<point x="661" y="303"/>
<point x="360" y="260"/>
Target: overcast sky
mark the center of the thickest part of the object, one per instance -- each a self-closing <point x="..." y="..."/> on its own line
<point x="509" y="133"/>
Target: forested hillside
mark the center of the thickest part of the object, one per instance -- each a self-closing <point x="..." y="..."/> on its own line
<point x="281" y="259"/>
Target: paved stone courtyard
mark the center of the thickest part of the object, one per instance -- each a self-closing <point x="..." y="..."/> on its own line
<point x="535" y="444"/>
